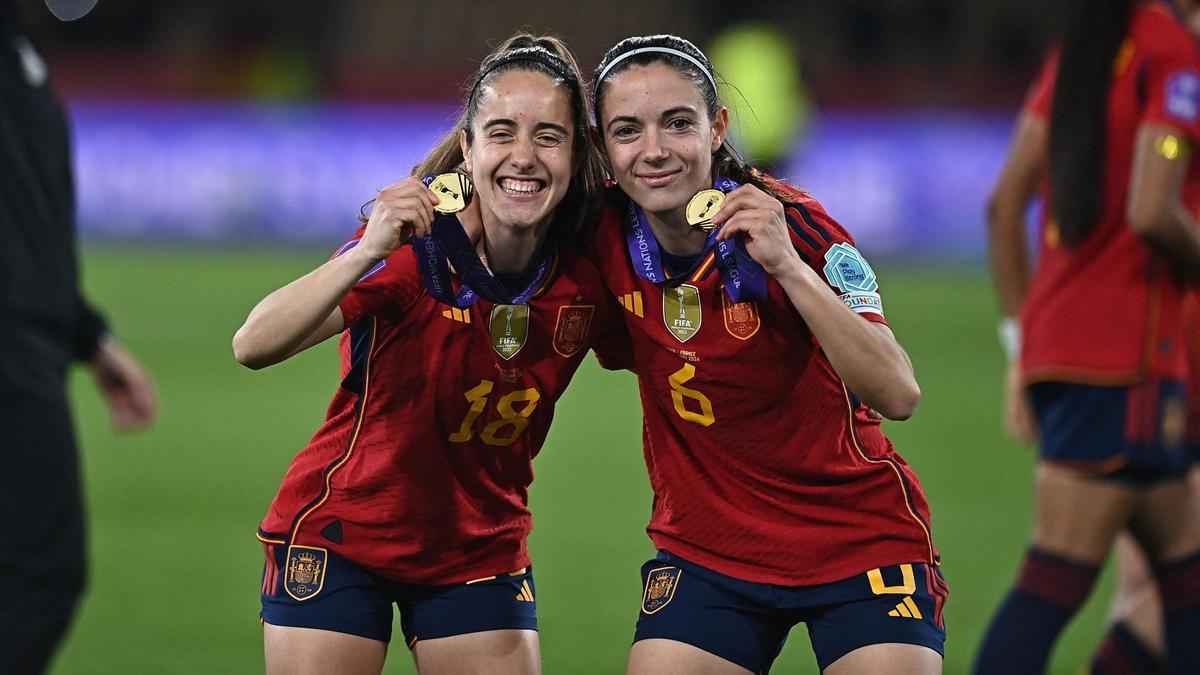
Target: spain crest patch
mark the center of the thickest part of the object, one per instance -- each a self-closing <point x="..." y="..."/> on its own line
<point x="661" y="583"/>
<point x="305" y="571"/>
<point x="741" y="318"/>
<point x="571" y="328"/>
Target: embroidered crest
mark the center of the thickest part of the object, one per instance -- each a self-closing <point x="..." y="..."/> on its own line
<point x="1183" y="96"/>
<point x="741" y="318"/>
<point x="661" y="583"/>
<point x="305" y="571"/>
<point x="571" y="329"/>
<point x="509" y="326"/>
<point x="846" y="269"/>
<point x="1173" y="424"/>
<point x="681" y="311"/>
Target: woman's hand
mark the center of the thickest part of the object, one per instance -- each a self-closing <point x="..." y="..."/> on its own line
<point x="400" y="210"/>
<point x="758" y="216"/>
<point x="1019" y="421"/>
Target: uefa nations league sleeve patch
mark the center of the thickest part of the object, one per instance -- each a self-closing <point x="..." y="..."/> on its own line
<point x="1183" y="96"/>
<point x="846" y="270"/>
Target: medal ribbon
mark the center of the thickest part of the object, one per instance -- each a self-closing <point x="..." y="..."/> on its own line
<point x="744" y="279"/>
<point x="448" y="244"/>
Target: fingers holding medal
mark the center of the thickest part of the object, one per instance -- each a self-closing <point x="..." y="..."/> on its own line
<point x="400" y="211"/>
<point x="758" y="219"/>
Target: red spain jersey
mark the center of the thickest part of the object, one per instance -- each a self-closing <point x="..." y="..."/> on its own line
<point x="1108" y="312"/>
<point x="764" y="467"/>
<point x="421" y="470"/>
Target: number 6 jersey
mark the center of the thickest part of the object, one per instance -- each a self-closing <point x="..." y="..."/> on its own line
<point x="764" y="467"/>
<point x="421" y="469"/>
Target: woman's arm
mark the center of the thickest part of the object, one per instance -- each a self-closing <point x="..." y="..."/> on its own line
<point x="1008" y="251"/>
<point x="1008" y="248"/>
<point x="1155" y="209"/>
<point x="306" y="312"/>
<point x="865" y="355"/>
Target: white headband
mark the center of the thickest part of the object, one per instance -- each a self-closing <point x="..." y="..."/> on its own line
<point x="658" y="50"/>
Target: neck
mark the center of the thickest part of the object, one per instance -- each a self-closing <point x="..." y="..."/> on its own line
<point x="510" y="250"/>
<point x="673" y="233"/>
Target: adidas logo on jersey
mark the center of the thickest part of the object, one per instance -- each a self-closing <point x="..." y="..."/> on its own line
<point x="526" y="594"/>
<point x="456" y="314"/>
<point x="633" y="302"/>
<point x="907" y="609"/>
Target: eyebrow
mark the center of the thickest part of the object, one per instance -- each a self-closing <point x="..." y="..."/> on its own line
<point x="504" y="121"/>
<point x="666" y="113"/>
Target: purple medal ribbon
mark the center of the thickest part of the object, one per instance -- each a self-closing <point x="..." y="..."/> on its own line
<point x="744" y="279"/>
<point x="448" y="244"/>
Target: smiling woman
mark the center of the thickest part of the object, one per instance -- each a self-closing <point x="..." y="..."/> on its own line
<point x="776" y="493"/>
<point x="414" y="491"/>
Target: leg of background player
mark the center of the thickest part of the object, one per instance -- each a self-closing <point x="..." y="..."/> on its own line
<point x="307" y="651"/>
<point x="1134" y="642"/>
<point x="511" y="652"/>
<point x="1077" y="518"/>
<point x="42" y="565"/>
<point x="670" y="657"/>
<point x="1166" y="523"/>
<point x="888" y="659"/>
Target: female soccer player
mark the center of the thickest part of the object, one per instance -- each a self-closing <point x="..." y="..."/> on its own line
<point x="777" y="499"/>
<point x="414" y="491"/>
<point x="1100" y="377"/>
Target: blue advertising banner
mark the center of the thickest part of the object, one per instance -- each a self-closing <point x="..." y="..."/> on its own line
<point x="911" y="183"/>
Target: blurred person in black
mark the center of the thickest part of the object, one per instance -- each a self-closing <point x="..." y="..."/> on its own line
<point x="45" y="324"/>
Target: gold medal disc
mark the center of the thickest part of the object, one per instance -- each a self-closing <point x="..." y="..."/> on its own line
<point x="702" y="208"/>
<point x="453" y="191"/>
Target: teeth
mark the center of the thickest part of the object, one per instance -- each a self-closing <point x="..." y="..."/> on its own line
<point x="519" y="186"/>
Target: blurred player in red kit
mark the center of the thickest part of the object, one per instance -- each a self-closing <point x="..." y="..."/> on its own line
<point x="414" y="491"/>
<point x="1099" y="363"/>
<point x="759" y="341"/>
<point x="47" y="325"/>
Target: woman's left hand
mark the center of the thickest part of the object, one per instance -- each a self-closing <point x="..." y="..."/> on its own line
<point x="759" y="217"/>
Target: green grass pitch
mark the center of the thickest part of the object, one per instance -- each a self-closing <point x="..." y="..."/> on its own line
<point x="176" y="569"/>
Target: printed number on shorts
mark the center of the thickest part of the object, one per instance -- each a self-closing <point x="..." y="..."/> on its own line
<point x="495" y="432"/>
<point x="680" y="394"/>
<point x="908" y="583"/>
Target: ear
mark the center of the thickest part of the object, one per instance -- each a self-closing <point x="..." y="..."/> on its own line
<point x="466" y="149"/>
<point x="720" y="126"/>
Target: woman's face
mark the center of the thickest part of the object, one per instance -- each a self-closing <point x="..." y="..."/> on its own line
<point x="658" y="136"/>
<point x="521" y="157"/>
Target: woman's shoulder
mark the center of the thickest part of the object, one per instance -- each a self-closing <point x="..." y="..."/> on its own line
<point x="1156" y="28"/>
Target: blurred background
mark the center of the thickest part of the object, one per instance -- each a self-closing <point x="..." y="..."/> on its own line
<point x="224" y="147"/>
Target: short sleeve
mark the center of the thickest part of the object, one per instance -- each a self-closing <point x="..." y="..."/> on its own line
<point x="1172" y="91"/>
<point x="389" y="288"/>
<point x="829" y="249"/>
<point x="1041" y="93"/>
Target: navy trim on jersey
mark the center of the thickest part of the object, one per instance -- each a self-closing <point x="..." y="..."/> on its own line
<point x="360" y="345"/>
<point x="799" y="232"/>
<point x="811" y="222"/>
<point x="361" y="342"/>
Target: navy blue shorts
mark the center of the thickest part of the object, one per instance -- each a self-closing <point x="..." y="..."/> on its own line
<point x="747" y="623"/>
<point x="1135" y="434"/>
<point x="309" y="587"/>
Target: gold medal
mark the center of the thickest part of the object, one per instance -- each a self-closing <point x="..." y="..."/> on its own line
<point x="453" y="190"/>
<point x="702" y="208"/>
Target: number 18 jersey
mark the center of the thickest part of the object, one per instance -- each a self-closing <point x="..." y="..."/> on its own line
<point x="421" y="470"/>
<point x="764" y="467"/>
